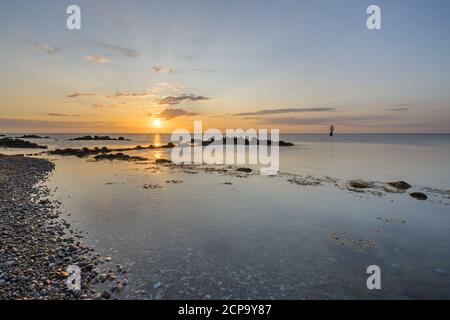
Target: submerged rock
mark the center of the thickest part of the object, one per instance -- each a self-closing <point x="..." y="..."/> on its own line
<point x="401" y="185"/>
<point x="359" y="184"/>
<point x="419" y="196"/>
<point x="160" y="161"/>
<point x="152" y="186"/>
<point x="119" y="156"/>
<point x="174" y="181"/>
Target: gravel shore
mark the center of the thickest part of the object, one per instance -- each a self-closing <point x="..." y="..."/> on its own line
<point x="36" y="246"/>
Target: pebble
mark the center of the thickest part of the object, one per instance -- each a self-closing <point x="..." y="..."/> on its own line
<point x="36" y="245"/>
<point x="106" y="294"/>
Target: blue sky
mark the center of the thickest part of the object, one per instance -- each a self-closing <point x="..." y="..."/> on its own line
<point x="314" y="61"/>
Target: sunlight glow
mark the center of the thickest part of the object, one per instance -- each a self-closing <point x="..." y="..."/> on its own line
<point x="157" y="123"/>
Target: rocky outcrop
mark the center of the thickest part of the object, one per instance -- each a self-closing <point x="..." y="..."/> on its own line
<point x="400" y="185"/>
<point x="84" y="152"/>
<point x="239" y="141"/>
<point x="102" y="138"/>
<point x="359" y="184"/>
<point x="419" y="196"/>
<point x="32" y="136"/>
<point x="17" y="143"/>
<point x="119" y="156"/>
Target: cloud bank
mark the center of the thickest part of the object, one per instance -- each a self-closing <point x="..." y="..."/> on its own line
<point x="172" y="100"/>
<point x="285" y="110"/>
<point x="174" y="113"/>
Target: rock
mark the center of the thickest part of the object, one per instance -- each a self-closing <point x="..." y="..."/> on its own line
<point x="125" y="282"/>
<point x="119" y="156"/>
<point x="401" y="185"/>
<point x="103" y="277"/>
<point x="108" y="259"/>
<point x="174" y="181"/>
<point x="84" y="152"/>
<point x="31" y="136"/>
<point x="285" y="144"/>
<point x="17" y="143"/>
<point x="161" y="161"/>
<point x="359" y="184"/>
<point x="246" y="170"/>
<point x="152" y="186"/>
<point x="419" y="196"/>
<point x="106" y="294"/>
<point x="89" y="138"/>
<point x="118" y="287"/>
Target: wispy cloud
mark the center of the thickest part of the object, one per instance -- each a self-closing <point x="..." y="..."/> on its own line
<point x="173" y="113"/>
<point x="127" y="52"/>
<point x="62" y="115"/>
<point x="285" y="110"/>
<point x="172" y="100"/>
<point x="403" y="105"/>
<point x="27" y="125"/>
<point x="46" y="48"/>
<point x="130" y="94"/>
<point x="97" y="58"/>
<point x="396" y="109"/>
<point x="350" y="120"/>
<point x="160" y="69"/>
<point x="97" y="106"/>
<point x="79" y="94"/>
<point x="200" y="70"/>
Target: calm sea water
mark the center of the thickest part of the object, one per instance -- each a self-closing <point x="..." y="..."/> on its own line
<point x="263" y="237"/>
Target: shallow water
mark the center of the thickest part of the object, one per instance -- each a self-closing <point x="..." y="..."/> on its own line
<point x="263" y="237"/>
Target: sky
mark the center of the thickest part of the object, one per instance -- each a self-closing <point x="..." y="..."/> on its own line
<point x="297" y="66"/>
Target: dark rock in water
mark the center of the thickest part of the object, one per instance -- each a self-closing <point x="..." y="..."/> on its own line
<point x="247" y="170"/>
<point x="84" y="152"/>
<point x="174" y="181"/>
<point x="79" y="152"/>
<point x="119" y="156"/>
<point x="160" y="161"/>
<point x="31" y="136"/>
<point x="241" y="141"/>
<point x="88" y="138"/>
<point x="17" y="143"/>
<point x="419" y="196"/>
<point x="285" y="144"/>
<point x="401" y="185"/>
<point x="358" y="184"/>
<point x="169" y="145"/>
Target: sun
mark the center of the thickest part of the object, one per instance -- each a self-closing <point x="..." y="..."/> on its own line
<point x="157" y="123"/>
